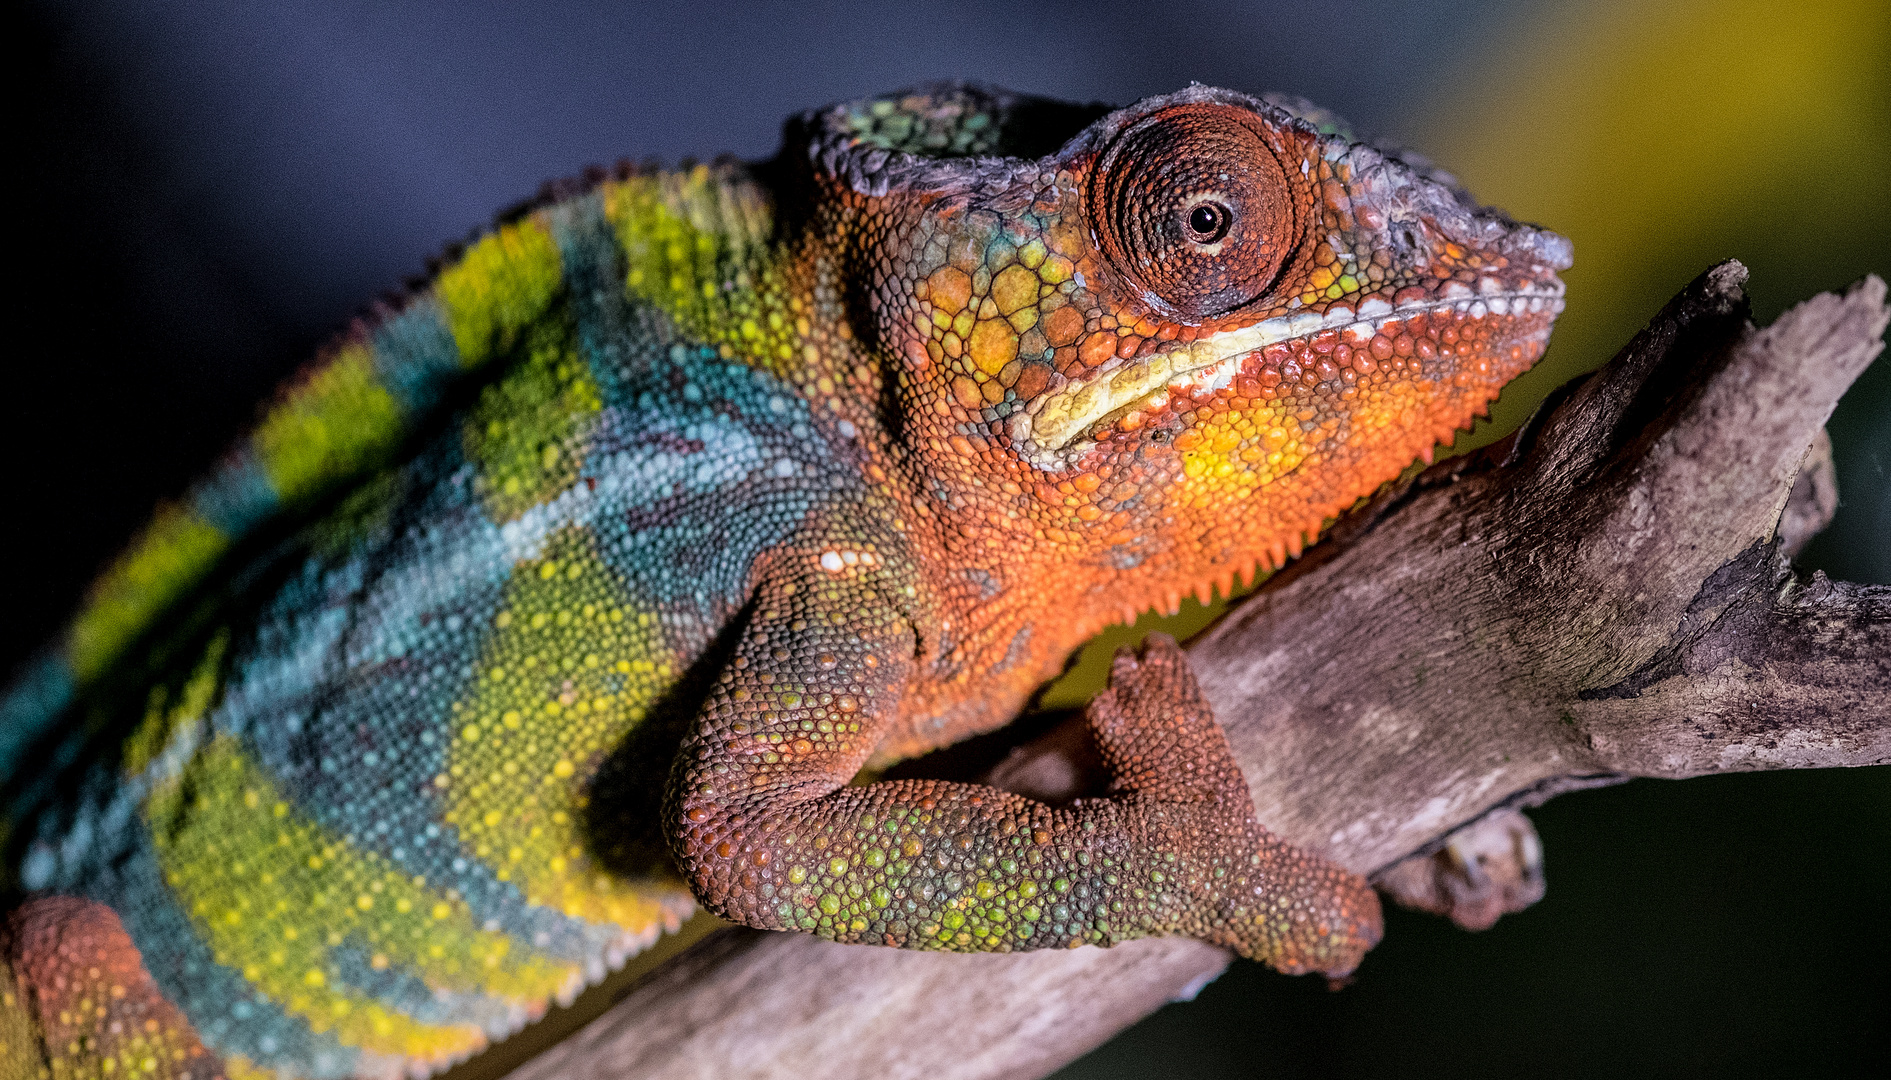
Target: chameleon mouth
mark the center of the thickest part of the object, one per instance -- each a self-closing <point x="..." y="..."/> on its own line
<point x="1053" y="427"/>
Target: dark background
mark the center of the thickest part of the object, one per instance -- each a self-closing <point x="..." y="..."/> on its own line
<point x="205" y="190"/>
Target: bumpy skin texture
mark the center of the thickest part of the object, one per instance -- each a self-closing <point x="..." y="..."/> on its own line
<point x="1173" y="849"/>
<point x="73" y="983"/>
<point x="585" y="580"/>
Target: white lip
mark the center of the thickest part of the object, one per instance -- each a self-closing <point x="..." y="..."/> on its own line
<point x="1052" y="423"/>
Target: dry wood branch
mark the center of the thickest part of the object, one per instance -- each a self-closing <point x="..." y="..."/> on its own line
<point x="1602" y="597"/>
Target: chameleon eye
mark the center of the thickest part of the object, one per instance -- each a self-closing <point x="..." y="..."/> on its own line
<point x="1208" y="222"/>
<point x="1191" y="205"/>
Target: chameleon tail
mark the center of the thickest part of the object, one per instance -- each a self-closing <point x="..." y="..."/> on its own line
<point x="341" y="417"/>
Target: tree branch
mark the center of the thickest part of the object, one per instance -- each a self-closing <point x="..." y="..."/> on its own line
<point x="1790" y="677"/>
<point x="1601" y="596"/>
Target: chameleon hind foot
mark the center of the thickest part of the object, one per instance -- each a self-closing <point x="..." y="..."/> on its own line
<point x="75" y="1000"/>
<point x="1253" y="892"/>
<point x="1488" y="869"/>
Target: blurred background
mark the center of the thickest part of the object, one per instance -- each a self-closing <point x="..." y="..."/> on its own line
<point x="208" y="189"/>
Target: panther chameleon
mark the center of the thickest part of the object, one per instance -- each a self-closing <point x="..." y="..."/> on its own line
<point x="573" y="588"/>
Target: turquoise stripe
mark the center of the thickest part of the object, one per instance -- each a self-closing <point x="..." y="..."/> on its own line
<point x="31" y="705"/>
<point x="237" y="497"/>
<point x="415" y="356"/>
<point x="230" y="1014"/>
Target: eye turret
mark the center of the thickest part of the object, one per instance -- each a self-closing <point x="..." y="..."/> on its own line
<point x="1191" y="205"/>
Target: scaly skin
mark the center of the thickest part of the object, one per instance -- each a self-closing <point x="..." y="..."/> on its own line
<point x="767" y="474"/>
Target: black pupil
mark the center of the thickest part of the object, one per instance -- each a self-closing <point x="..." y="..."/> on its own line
<point x="1205" y="221"/>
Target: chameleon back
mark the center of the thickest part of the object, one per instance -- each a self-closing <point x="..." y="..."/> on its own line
<point x="361" y="829"/>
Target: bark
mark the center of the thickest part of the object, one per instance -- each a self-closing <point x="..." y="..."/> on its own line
<point x="1601" y="596"/>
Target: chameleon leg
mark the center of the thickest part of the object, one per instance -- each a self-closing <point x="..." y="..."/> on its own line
<point x="76" y="982"/>
<point x="769" y="835"/>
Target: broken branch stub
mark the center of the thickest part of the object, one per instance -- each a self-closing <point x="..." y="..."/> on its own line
<point x="1601" y="597"/>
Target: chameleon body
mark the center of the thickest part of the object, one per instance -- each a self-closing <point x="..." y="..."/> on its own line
<point x="574" y="588"/>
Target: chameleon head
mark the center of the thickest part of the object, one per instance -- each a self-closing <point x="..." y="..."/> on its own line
<point x="1204" y="325"/>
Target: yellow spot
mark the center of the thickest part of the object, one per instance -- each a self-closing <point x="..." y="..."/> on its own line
<point x="572" y="695"/>
<point x="503" y="283"/>
<point x="334" y="425"/>
<point x="949" y="288"/>
<point x="1013" y="288"/>
<point x="170" y="556"/>
<point x="302" y="894"/>
<point x="994" y="344"/>
<point x="695" y="246"/>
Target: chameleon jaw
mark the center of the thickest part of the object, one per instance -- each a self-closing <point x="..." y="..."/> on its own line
<point x="1050" y="432"/>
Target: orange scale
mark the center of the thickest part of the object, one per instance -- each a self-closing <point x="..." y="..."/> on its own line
<point x="1096" y="348"/>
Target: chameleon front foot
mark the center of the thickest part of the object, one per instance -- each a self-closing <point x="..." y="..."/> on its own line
<point x="769" y="833"/>
<point x="1253" y="892"/>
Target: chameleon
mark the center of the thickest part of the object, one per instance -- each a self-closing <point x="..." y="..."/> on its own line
<point x="575" y="587"/>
